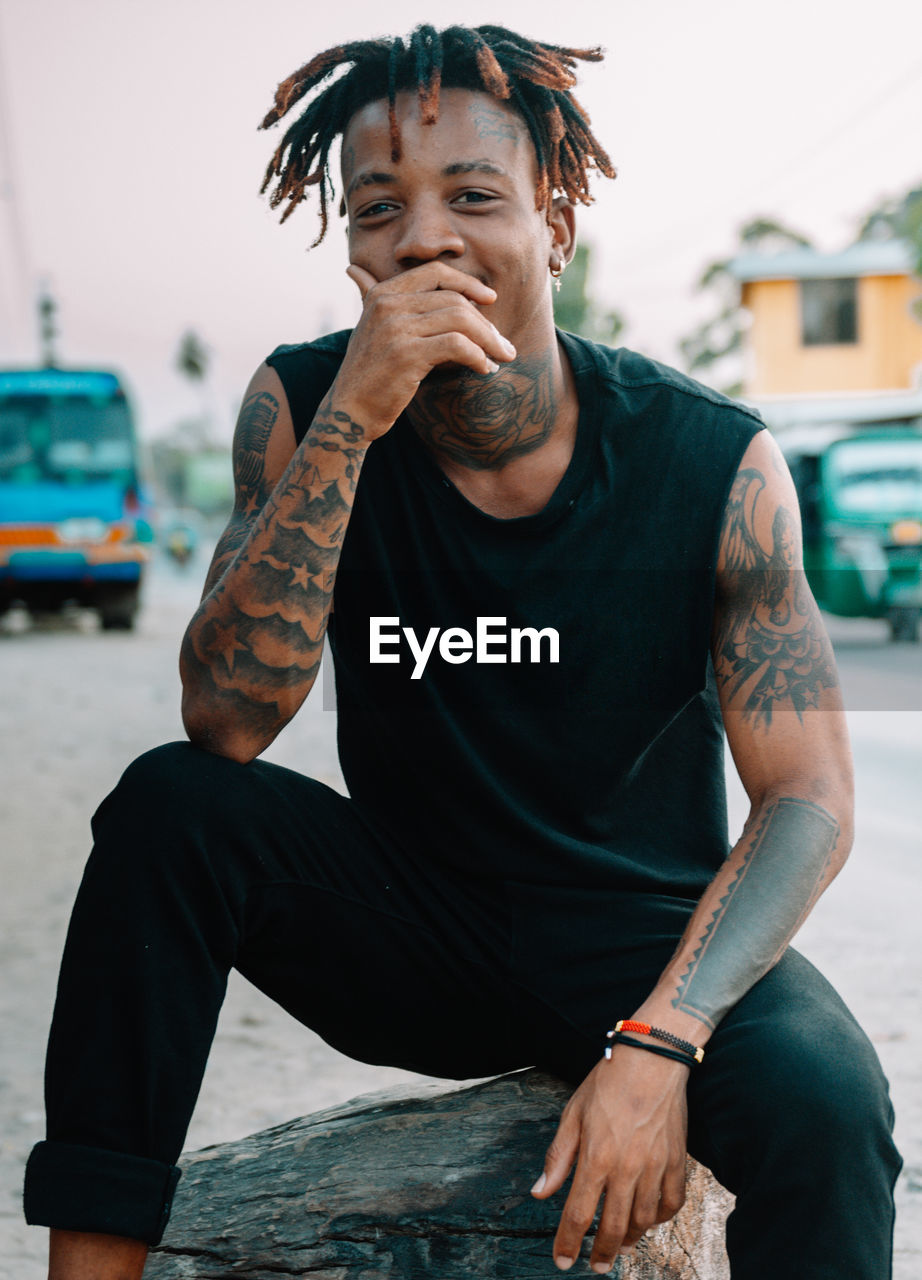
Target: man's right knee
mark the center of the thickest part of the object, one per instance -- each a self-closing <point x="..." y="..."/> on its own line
<point x="179" y="772"/>
<point x="169" y="784"/>
<point x="172" y="807"/>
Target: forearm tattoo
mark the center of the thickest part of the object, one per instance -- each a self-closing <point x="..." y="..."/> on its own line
<point x="257" y="638"/>
<point x="782" y="866"/>
<point x="258" y="416"/>
<point x="482" y="421"/>
<point x="771" y="650"/>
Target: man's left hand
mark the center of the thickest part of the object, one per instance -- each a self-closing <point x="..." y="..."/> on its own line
<point x="627" y="1124"/>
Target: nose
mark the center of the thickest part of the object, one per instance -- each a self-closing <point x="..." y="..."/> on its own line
<point x="427" y="234"/>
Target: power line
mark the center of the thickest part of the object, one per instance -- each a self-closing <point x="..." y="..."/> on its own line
<point x="866" y="109"/>
<point x="679" y="233"/>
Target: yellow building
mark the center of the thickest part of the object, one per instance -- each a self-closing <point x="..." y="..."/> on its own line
<point x="832" y="327"/>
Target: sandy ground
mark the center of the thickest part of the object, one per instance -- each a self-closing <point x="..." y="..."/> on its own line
<point x="77" y="705"/>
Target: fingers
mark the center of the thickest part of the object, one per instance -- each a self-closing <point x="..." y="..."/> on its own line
<point x="430" y="276"/>
<point x="364" y="279"/>
<point x="438" y="314"/>
<point x="447" y="313"/>
<point x="441" y="308"/>
<point x="642" y="1214"/>
<point x="560" y="1156"/>
<point x="673" y="1191"/>
<point x="454" y="348"/>
<point x="631" y="1207"/>
<point x="577" y="1217"/>
<point x="627" y="1218"/>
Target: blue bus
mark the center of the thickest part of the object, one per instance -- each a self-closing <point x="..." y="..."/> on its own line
<point x="73" y="522"/>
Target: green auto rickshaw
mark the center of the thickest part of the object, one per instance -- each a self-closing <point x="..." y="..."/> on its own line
<point x="860" y="493"/>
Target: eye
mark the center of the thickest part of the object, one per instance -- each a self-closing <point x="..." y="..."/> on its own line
<point x="376" y="209"/>
<point x="474" y="197"/>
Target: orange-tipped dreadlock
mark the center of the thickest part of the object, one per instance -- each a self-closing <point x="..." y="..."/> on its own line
<point x="535" y="79"/>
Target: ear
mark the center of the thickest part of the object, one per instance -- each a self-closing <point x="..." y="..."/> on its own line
<point x="561" y="220"/>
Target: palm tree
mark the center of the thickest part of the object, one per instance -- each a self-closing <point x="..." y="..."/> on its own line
<point x="192" y="361"/>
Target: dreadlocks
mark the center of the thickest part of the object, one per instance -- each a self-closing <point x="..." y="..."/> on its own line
<point x="535" y="79"/>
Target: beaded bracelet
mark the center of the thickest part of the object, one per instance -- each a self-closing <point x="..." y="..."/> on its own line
<point x="644" y="1029"/>
<point x="659" y="1049"/>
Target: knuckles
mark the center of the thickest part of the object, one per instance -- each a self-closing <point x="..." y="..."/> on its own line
<point x="462" y="317"/>
<point x="378" y="306"/>
<point x="394" y="319"/>
<point x="643" y="1216"/>
<point x="576" y="1222"/>
<point x="669" y="1206"/>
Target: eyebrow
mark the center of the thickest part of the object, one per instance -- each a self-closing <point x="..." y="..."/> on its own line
<point x="473" y="166"/>
<point x="369" y="180"/>
<point x="450" y="171"/>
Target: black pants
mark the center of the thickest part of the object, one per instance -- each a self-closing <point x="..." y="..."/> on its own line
<point x="201" y="865"/>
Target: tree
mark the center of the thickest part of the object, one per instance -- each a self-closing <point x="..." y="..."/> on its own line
<point x="574" y="308"/>
<point x="899" y="218"/>
<point x="192" y="357"/>
<point x="721" y="337"/>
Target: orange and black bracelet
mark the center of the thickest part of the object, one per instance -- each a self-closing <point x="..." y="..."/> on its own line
<point x="693" y="1053"/>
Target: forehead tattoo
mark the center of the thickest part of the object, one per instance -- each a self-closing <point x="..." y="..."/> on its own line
<point x="491" y="122"/>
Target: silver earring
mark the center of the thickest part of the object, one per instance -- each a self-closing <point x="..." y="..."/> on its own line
<point x="557" y="274"/>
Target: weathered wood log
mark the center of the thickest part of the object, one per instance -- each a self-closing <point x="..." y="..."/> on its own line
<point x="428" y="1184"/>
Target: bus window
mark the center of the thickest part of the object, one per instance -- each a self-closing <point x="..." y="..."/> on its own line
<point x="878" y="475"/>
<point x="16" y="450"/>
<point x="72" y="439"/>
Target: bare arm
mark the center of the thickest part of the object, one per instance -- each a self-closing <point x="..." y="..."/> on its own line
<point x="252" y="650"/>
<point x="783" y="714"/>
<point x="785" y="725"/>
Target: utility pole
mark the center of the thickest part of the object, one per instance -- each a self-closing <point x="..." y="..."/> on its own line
<point x="48" y="329"/>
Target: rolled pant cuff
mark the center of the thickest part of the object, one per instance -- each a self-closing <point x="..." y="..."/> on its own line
<point x="76" y="1188"/>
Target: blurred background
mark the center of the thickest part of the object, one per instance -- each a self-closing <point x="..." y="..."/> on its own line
<point x="131" y="162"/>
<point x="764" y="234"/>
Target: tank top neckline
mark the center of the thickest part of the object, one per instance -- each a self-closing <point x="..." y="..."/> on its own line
<point x="565" y="495"/>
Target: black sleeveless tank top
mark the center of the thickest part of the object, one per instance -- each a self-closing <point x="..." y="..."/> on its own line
<point x="553" y="718"/>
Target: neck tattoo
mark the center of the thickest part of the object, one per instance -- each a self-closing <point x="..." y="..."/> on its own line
<point x="485" y="421"/>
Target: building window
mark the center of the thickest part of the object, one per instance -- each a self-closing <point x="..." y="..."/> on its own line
<point x="829" y="311"/>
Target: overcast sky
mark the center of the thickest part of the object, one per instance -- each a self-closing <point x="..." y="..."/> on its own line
<point x="130" y="161"/>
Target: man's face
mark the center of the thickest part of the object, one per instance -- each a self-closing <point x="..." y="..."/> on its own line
<point x="463" y="192"/>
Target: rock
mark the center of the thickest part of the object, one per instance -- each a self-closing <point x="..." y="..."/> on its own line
<point x="410" y="1184"/>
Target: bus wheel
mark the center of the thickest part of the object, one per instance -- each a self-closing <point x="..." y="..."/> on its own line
<point x="118" y="610"/>
<point x="904" y="624"/>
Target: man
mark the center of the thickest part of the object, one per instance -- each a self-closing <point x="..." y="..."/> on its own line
<point x="547" y="569"/>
